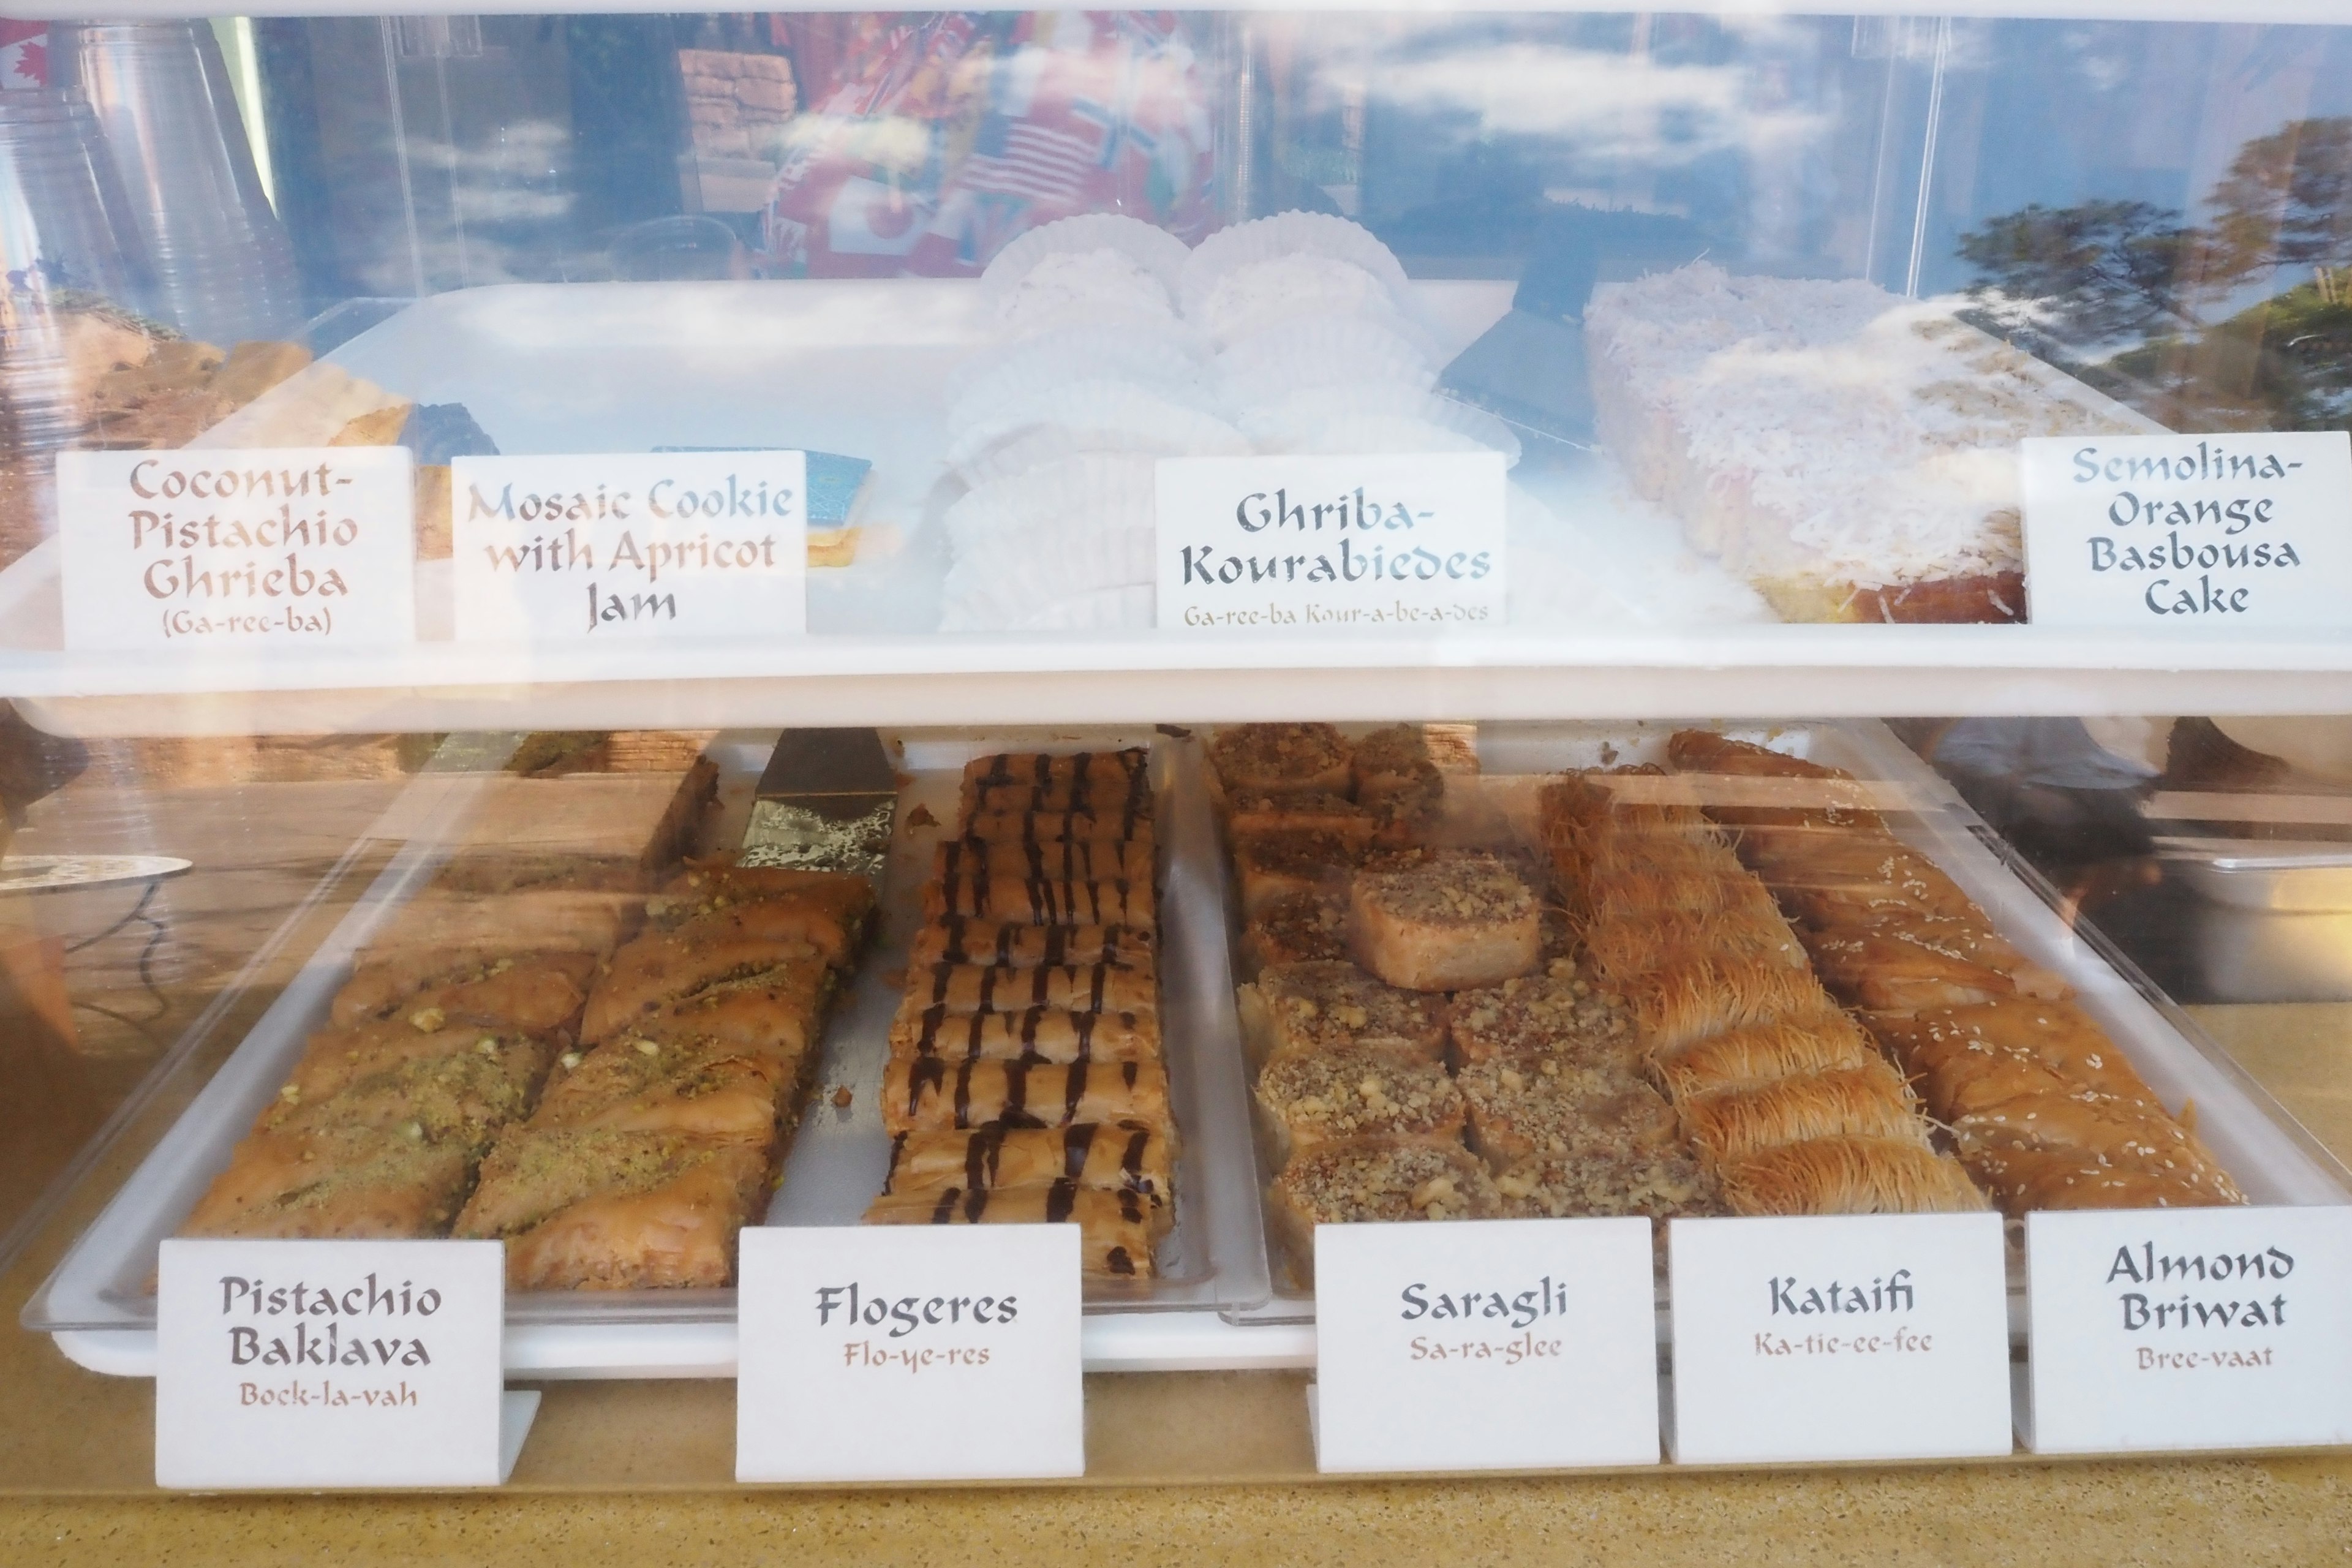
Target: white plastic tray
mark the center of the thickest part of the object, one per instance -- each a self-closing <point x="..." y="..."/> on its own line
<point x="1212" y="1264"/>
<point x="2272" y="1157"/>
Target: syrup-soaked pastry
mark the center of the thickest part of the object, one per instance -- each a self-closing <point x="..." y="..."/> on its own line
<point x="335" y="1183"/>
<point x="1120" y="1227"/>
<point x="1542" y="1016"/>
<point x="2022" y="1180"/>
<point x="1666" y="1185"/>
<point x="1897" y="975"/>
<point x="1111" y="771"/>
<point x="1119" y="1155"/>
<point x="1020" y="902"/>
<point x="1295" y="928"/>
<point x="1121" y="793"/>
<point x="1938" y="1045"/>
<point x="1290" y="863"/>
<point x="609" y="1208"/>
<point x="1121" y="826"/>
<point x="441" y="930"/>
<point x="1294" y="1009"/>
<point x="1392" y="771"/>
<point x="488" y="871"/>
<point x="1334" y="815"/>
<point x="1520" y="1111"/>
<point x="1617" y="858"/>
<point x="703" y="1089"/>
<point x="1867" y="1100"/>
<point x="986" y="988"/>
<point x="1032" y="1034"/>
<point x="845" y="901"/>
<point x="1622" y="950"/>
<point x="776" y="1011"/>
<point x="1350" y="1184"/>
<point x="934" y="1094"/>
<point x="1822" y="1041"/>
<point x="1016" y="944"/>
<point x="335" y="1057"/>
<point x="1451" y="925"/>
<point x="533" y="991"/>
<point x="1847" y="1175"/>
<point x="2126" y="1133"/>
<point x="1698" y="750"/>
<point x="1280" y="759"/>
<point x="832" y="925"/>
<point x="1705" y="994"/>
<point x="1966" y="937"/>
<point x="1307" y="1099"/>
<point x="664" y="966"/>
<point x="464" y="1094"/>
<point x="1070" y="860"/>
<point x="1639" y="895"/>
<point x="1843" y="877"/>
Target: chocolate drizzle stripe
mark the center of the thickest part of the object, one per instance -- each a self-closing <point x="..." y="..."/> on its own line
<point x="1076" y="1139"/>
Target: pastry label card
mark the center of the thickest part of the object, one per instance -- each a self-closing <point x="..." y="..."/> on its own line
<point x="2246" y="528"/>
<point x="1486" y="1345"/>
<point x="332" y="1363"/>
<point x="630" y="547"/>
<point x="2204" y="1328"/>
<point x="928" y="1353"/>
<point x="1391" y="541"/>
<point x="262" y="551"/>
<point x="1857" y="1337"/>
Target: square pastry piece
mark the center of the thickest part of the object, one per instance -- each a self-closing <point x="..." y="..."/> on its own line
<point x="1445" y="925"/>
<point x="1281" y="759"/>
<point x="1348" y="1184"/>
<point x="1305" y="1009"/>
<point x="1353" y="1093"/>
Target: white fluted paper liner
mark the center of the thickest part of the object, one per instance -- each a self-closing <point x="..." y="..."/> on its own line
<point x="976" y="423"/>
<point x="1067" y="286"/>
<point x="1286" y="234"/>
<point x="1104" y="609"/>
<point x="1113" y="491"/>
<point x="1037" y="565"/>
<point x="1155" y="250"/>
<point x="1151" y="353"/>
<point x="1265" y="294"/>
<point x="1320" y="350"/>
<point x="1109" y="416"/>
<point x="1396" y="435"/>
<point x="1301" y="422"/>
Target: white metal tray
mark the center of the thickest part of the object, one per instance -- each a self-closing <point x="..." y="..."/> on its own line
<point x="1214" y="1263"/>
<point x="2272" y="1157"/>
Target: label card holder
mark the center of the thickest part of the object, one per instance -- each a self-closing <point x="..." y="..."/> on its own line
<point x="1397" y="541"/>
<point x="883" y="1353"/>
<point x="630" y="546"/>
<point x="2174" y="533"/>
<point x="1484" y="1345"/>
<point x="292" y="1364"/>
<point x="2203" y="1328"/>
<point x="1855" y="1337"/>
<point x="261" y="550"/>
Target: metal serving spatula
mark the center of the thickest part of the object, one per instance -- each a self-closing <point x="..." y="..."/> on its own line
<point x="825" y="803"/>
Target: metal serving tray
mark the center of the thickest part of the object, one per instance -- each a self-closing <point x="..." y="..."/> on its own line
<point x="2272" y="1157"/>
<point x="97" y="1302"/>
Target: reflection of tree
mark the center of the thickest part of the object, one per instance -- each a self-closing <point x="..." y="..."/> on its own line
<point x="2121" y="293"/>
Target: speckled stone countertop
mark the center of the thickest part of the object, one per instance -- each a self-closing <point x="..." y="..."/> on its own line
<point x="1201" y="1469"/>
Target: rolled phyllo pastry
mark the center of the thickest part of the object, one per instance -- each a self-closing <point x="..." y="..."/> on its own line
<point x="335" y="1183"/>
<point x="1867" y="1100"/>
<point x="1016" y="944"/>
<point x="933" y="1093"/>
<point x="1071" y="860"/>
<point x="1019" y="902"/>
<point x="1121" y="826"/>
<point x="1117" y="1155"/>
<point x="1813" y="1042"/>
<point x="1706" y="994"/>
<point x="1119" y="1227"/>
<point x="986" y="988"/>
<point x="1034" y="1034"/>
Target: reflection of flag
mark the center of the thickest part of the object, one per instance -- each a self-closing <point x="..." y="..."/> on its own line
<point x="870" y="218"/>
<point x="24" y="54"/>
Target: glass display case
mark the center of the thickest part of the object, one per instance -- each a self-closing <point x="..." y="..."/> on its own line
<point x="623" y="629"/>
